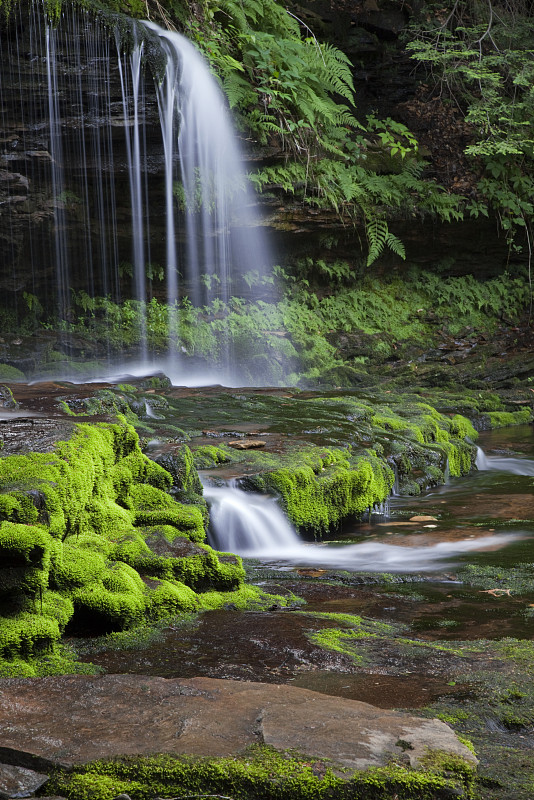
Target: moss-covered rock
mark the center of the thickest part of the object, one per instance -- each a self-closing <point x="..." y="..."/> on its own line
<point x="91" y="541"/>
<point x="261" y="773"/>
<point x="328" y="486"/>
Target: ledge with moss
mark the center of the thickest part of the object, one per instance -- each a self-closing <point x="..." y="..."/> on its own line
<point x="92" y="542"/>
<point x="319" y="487"/>
<point x="262" y="773"/>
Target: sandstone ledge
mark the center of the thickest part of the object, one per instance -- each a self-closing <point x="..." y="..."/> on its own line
<point x="70" y="720"/>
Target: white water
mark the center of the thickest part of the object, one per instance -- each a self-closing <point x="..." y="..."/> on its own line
<point x="515" y="466"/>
<point x="223" y="235"/>
<point x="253" y="525"/>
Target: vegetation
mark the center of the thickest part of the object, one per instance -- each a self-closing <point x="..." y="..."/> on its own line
<point x="261" y="772"/>
<point x="297" y="340"/>
<point x="90" y="541"/>
<point x="478" y="57"/>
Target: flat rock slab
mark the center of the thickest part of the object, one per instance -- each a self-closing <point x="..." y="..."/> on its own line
<point x="73" y="719"/>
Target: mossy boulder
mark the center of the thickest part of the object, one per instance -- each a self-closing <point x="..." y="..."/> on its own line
<point x="321" y="487"/>
<point x="91" y="541"/>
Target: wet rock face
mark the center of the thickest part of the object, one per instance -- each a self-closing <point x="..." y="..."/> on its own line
<point x="64" y="187"/>
<point x="69" y="720"/>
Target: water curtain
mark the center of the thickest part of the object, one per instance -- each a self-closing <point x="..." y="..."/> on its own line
<point x="136" y="150"/>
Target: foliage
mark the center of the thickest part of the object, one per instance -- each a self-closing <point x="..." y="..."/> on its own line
<point x="290" y="342"/>
<point x="74" y="552"/>
<point x="479" y="57"/>
<point x="262" y="772"/>
<point x="296" y="94"/>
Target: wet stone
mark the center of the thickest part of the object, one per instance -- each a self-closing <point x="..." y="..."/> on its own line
<point x="19" y="782"/>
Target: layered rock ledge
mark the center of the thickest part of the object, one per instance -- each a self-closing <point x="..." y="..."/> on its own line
<point x="70" y="720"/>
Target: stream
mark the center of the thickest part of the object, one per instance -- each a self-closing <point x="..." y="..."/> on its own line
<point x="410" y="574"/>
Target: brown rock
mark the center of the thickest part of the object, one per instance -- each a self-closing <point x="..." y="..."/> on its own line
<point x="247" y="444"/>
<point x="73" y="719"/>
<point x="423" y="518"/>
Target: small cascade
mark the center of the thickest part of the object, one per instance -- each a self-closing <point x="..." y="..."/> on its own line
<point x="514" y="466"/>
<point x="253" y="525"/>
<point x="248" y="524"/>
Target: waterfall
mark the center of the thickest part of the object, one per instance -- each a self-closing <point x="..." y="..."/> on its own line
<point x="223" y="235"/>
<point x="253" y="525"/>
<point x="515" y="466"/>
<point x="135" y="162"/>
<point x="246" y="523"/>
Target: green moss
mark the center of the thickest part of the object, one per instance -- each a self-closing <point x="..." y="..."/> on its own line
<point x="462" y="428"/>
<point x="25" y="553"/>
<point x="169" y="598"/>
<point x="208" y="456"/>
<point x="261" y="773"/>
<point x="246" y="597"/>
<point x="501" y="419"/>
<point x="76" y="567"/>
<point x="72" y="541"/>
<point x="188" y="519"/>
<point x="344" y="640"/>
<point x="27" y="635"/>
<point x="115" y="602"/>
<point x="58" y="607"/>
<point x="9" y="373"/>
<point x="328" y="486"/>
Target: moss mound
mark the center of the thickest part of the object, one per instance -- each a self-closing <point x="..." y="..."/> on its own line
<point x="91" y="542"/>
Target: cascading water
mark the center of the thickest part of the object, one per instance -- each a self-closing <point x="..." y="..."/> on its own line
<point x="514" y="466"/>
<point x="221" y="226"/>
<point x="253" y="525"/>
<point x="132" y="176"/>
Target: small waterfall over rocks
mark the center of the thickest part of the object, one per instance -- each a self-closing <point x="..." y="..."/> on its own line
<point x="253" y="525"/>
<point x="120" y="177"/>
<point x="514" y="466"/>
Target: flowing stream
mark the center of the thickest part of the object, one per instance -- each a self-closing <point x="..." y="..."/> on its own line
<point x="485" y="519"/>
<point x="253" y="525"/>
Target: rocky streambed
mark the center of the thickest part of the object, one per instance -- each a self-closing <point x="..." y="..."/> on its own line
<point x="308" y="662"/>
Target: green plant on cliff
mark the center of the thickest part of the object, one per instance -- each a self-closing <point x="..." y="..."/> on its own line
<point x="295" y="92"/>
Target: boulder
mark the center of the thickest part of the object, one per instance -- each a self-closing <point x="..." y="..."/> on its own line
<point x="70" y="720"/>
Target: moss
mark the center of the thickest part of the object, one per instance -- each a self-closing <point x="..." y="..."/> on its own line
<point x="260" y="773"/>
<point x="169" y="598"/>
<point x="501" y="419"/>
<point x="342" y="640"/>
<point x="328" y="486"/>
<point x="76" y="567"/>
<point x="460" y="456"/>
<point x="58" y="607"/>
<point x="25" y="553"/>
<point x="115" y="602"/>
<point x="27" y="635"/>
<point x="72" y="541"/>
<point x="246" y="597"/>
<point x="462" y="428"/>
<point x="9" y="373"/>
<point x="188" y="519"/>
<point x="208" y="456"/>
